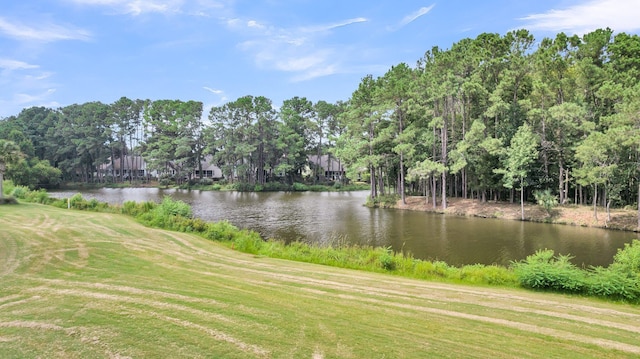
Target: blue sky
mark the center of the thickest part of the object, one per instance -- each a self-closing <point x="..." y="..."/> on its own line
<point x="55" y="53"/>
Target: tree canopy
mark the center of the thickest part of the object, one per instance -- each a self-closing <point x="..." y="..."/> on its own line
<point x="486" y="117"/>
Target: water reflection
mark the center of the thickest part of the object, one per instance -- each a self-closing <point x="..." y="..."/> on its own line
<point x="340" y="217"/>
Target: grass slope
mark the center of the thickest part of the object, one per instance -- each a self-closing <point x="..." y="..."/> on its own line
<point x="93" y="285"/>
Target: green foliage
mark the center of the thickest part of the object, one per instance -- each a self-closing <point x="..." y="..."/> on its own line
<point x="628" y="258"/>
<point x="387" y="260"/>
<point x="35" y="174"/>
<point x="170" y="207"/>
<point x="39" y="196"/>
<point x="544" y="270"/>
<point x="300" y="187"/>
<point x="221" y="231"/>
<point x="205" y="181"/>
<point x="216" y="187"/>
<point x="7" y="187"/>
<point x="483" y="274"/>
<point x="546" y="200"/>
<point x="248" y="242"/>
<point x="169" y="214"/>
<point x="19" y="192"/>
<point x="383" y="201"/>
<point x="614" y="282"/>
<point x="166" y="180"/>
<point x="134" y="209"/>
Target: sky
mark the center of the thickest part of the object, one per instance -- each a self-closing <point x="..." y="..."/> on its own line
<point x="55" y="53"/>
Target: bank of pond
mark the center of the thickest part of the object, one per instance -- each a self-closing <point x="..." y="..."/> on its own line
<point x="543" y="270"/>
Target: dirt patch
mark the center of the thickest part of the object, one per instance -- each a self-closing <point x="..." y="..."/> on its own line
<point x="621" y="219"/>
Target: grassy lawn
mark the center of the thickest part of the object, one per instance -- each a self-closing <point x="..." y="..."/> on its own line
<point x="92" y="285"/>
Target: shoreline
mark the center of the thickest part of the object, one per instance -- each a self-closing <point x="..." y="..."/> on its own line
<point x="573" y="215"/>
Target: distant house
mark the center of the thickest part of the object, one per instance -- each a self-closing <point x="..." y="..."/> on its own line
<point x="128" y="167"/>
<point x="209" y="170"/>
<point x="330" y="167"/>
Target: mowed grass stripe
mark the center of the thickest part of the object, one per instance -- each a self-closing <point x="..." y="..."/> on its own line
<point x="99" y="285"/>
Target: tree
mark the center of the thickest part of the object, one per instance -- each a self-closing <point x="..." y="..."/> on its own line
<point x="172" y="144"/>
<point x="522" y="152"/>
<point x="294" y="136"/>
<point x="9" y="154"/>
<point x="242" y="139"/>
<point x="359" y="145"/>
<point x="34" y="173"/>
<point x="598" y="163"/>
<point x="124" y="121"/>
<point x="394" y="93"/>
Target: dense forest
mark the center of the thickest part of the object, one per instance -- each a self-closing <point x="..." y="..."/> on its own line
<point x="494" y="118"/>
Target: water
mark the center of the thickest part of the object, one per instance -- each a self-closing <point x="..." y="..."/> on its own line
<point x="341" y="218"/>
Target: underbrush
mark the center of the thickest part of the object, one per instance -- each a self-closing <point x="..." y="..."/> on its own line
<point x="546" y="271"/>
<point x="383" y="201"/>
<point x="540" y="271"/>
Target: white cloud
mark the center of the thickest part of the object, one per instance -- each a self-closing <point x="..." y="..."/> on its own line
<point x="255" y="24"/>
<point x="47" y="32"/>
<point x="300" y="51"/>
<point x="136" y="7"/>
<point x="620" y="15"/>
<point x="217" y="92"/>
<point x="201" y="8"/>
<point x="415" y="15"/>
<point x="316" y="72"/>
<point x="11" y="65"/>
<point x="34" y="100"/>
<point x="335" y="25"/>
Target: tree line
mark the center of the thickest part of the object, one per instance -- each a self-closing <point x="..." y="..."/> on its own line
<point x="494" y="117"/>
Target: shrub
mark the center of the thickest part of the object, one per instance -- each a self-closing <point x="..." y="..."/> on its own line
<point x="628" y="257"/>
<point x="206" y="181"/>
<point x="248" y="242"/>
<point x="546" y="200"/>
<point x="299" y="187"/>
<point x="20" y="192"/>
<point x="386" y="259"/>
<point x="40" y="196"/>
<point x="383" y="201"/>
<point x="544" y="270"/>
<point x="221" y="231"/>
<point x="7" y="187"/>
<point x="170" y="207"/>
<point x="135" y="209"/>
<point x="78" y="202"/>
<point x="166" y="180"/>
<point x="614" y="282"/>
<point x="479" y="273"/>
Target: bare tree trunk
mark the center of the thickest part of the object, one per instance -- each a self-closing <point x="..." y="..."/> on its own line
<point x="561" y="183"/>
<point x="3" y="167"/>
<point x="401" y="179"/>
<point x="433" y="191"/>
<point x="595" y="201"/>
<point x="374" y="192"/>
<point x="521" y="200"/>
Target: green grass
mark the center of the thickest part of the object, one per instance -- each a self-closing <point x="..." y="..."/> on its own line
<point x="77" y="284"/>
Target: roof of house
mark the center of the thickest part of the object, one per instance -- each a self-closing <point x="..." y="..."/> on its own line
<point x="130" y="163"/>
<point x="327" y="163"/>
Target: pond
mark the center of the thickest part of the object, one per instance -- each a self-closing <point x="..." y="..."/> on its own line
<point x="340" y="217"/>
